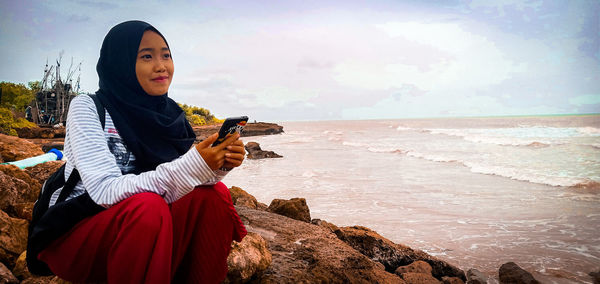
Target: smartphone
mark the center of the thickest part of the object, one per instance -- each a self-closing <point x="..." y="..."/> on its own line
<point x="230" y="126"/>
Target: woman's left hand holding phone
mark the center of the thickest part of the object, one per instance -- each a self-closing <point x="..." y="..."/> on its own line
<point x="228" y="154"/>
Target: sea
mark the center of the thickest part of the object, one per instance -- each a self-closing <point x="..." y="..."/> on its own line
<point x="476" y="192"/>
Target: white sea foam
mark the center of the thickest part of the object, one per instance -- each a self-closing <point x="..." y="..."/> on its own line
<point x="592" y="131"/>
<point x="385" y="150"/>
<point x="354" y="144"/>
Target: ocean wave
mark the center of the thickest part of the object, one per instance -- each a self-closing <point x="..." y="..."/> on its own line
<point x="385" y="150"/>
<point x="592" y="131"/>
<point x="430" y="157"/>
<point x="585" y="185"/>
<point x="354" y="144"/>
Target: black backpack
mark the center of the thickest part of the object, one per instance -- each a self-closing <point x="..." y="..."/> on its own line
<point x="49" y="224"/>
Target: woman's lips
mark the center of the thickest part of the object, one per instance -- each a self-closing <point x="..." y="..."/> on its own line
<point x="161" y="79"/>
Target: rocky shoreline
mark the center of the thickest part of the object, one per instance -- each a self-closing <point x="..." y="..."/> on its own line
<point x="48" y="137"/>
<point x="284" y="244"/>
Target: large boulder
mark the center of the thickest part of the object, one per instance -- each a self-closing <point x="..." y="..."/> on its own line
<point x="6" y="277"/>
<point x="14" y="148"/>
<point x="419" y="278"/>
<point x="510" y="272"/>
<point x="475" y="276"/>
<point x="595" y="276"/>
<point x="248" y="259"/>
<point x="306" y="253"/>
<point x="393" y="255"/>
<point x="41" y="172"/>
<point x="295" y="208"/>
<point x="17" y="189"/>
<point x="21" y="271"/>
<point x="13" y="238"/>
<point x="452" y="280"/>
<point x="242" y="198"/>
<point x="255" y="152"/>
<point x="418" y="266"/>
<point x="324" y="224"/>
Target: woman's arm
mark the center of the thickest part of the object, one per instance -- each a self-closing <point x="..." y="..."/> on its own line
<point x="87" y="149"/>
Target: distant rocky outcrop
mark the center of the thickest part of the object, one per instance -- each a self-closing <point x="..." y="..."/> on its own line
<point x="41" y="132"/>
<point x="255" y="152"/>
<point x="251" y="129"/>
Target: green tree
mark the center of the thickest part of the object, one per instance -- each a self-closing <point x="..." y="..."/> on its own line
<point x="14" y="99"/>
<point x="16" y="96"/>
<point x="199" y="116"/>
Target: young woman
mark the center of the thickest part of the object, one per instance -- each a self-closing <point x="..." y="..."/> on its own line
<point x="167" y="216"/>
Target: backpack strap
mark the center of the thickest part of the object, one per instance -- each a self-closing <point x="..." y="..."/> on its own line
<point x="99" y="108"/>
<point x="75" y="177"/>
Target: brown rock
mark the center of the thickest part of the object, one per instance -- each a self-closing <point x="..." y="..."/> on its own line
<point x="242" y="198"/>
<point x="255" y="152"/>
<point x="23" y="210"/>
<point x="295" y="208"/>
<point x="29" y="193"/>
<point x="418" y="266"/>
<point x="44" y="280"/>
<point x="248" y="259"/>
<point x="23" y="273"/>
<point x="475" y="276"/>
<point x="13" y="238"/>
<point x="306" y="253"/>
<point x="16" y="188"/>
<point x="452" y="280"/>
<point x="41" y="172"/>
<point x="392" y="255"/>
<point x="262" y="206"/>
<point x="40" y="132"/>
<point x="14" y="148"/>
<point x="328" y="226"/>
<point x="419" y="278"/>
<point x="595" y="277"/>
<point x="510" y="272"/>
<point x="20" y="270"/>
<point x="6" y="277"/>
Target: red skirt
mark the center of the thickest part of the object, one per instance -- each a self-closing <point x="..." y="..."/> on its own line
<point x="142" y="239"/>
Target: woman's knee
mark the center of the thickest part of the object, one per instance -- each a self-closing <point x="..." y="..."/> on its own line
<point x="146" y="212"/>
<point x="217" y="193"/>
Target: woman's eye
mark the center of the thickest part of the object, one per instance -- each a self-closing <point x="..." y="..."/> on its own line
<point x="146" y="56"/>
<point x="167" y="55"/>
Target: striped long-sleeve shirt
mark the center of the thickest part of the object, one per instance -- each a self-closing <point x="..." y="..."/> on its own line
<point x="103" y="162"/>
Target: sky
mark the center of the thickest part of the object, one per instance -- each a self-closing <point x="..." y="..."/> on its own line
<point x="335" y="60"/>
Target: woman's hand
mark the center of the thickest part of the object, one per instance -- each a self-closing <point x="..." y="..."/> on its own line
<point x="215" y="157"/>
<point x="236" y="154"/>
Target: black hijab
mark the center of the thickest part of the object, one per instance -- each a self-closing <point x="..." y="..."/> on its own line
<point x="154" y="128"/>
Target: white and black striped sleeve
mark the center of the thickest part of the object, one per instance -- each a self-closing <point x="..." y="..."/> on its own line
<point x="101" y="176"/>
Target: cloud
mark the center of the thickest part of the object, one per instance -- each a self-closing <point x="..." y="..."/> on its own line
<point x="467" y="60"/>
<point x="585" y="100"/>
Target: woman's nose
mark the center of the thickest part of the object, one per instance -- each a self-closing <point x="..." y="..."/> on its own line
<point x="159" y="66"/>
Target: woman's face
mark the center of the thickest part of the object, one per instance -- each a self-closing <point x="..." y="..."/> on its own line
<point x="154" y="67"/>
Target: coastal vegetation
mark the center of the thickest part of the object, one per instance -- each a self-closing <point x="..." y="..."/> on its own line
<point x="198" y="116"/>
<point x="14" y="99"/>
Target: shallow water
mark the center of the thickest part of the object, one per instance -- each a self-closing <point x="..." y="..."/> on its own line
<point x="476" y="192"/>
